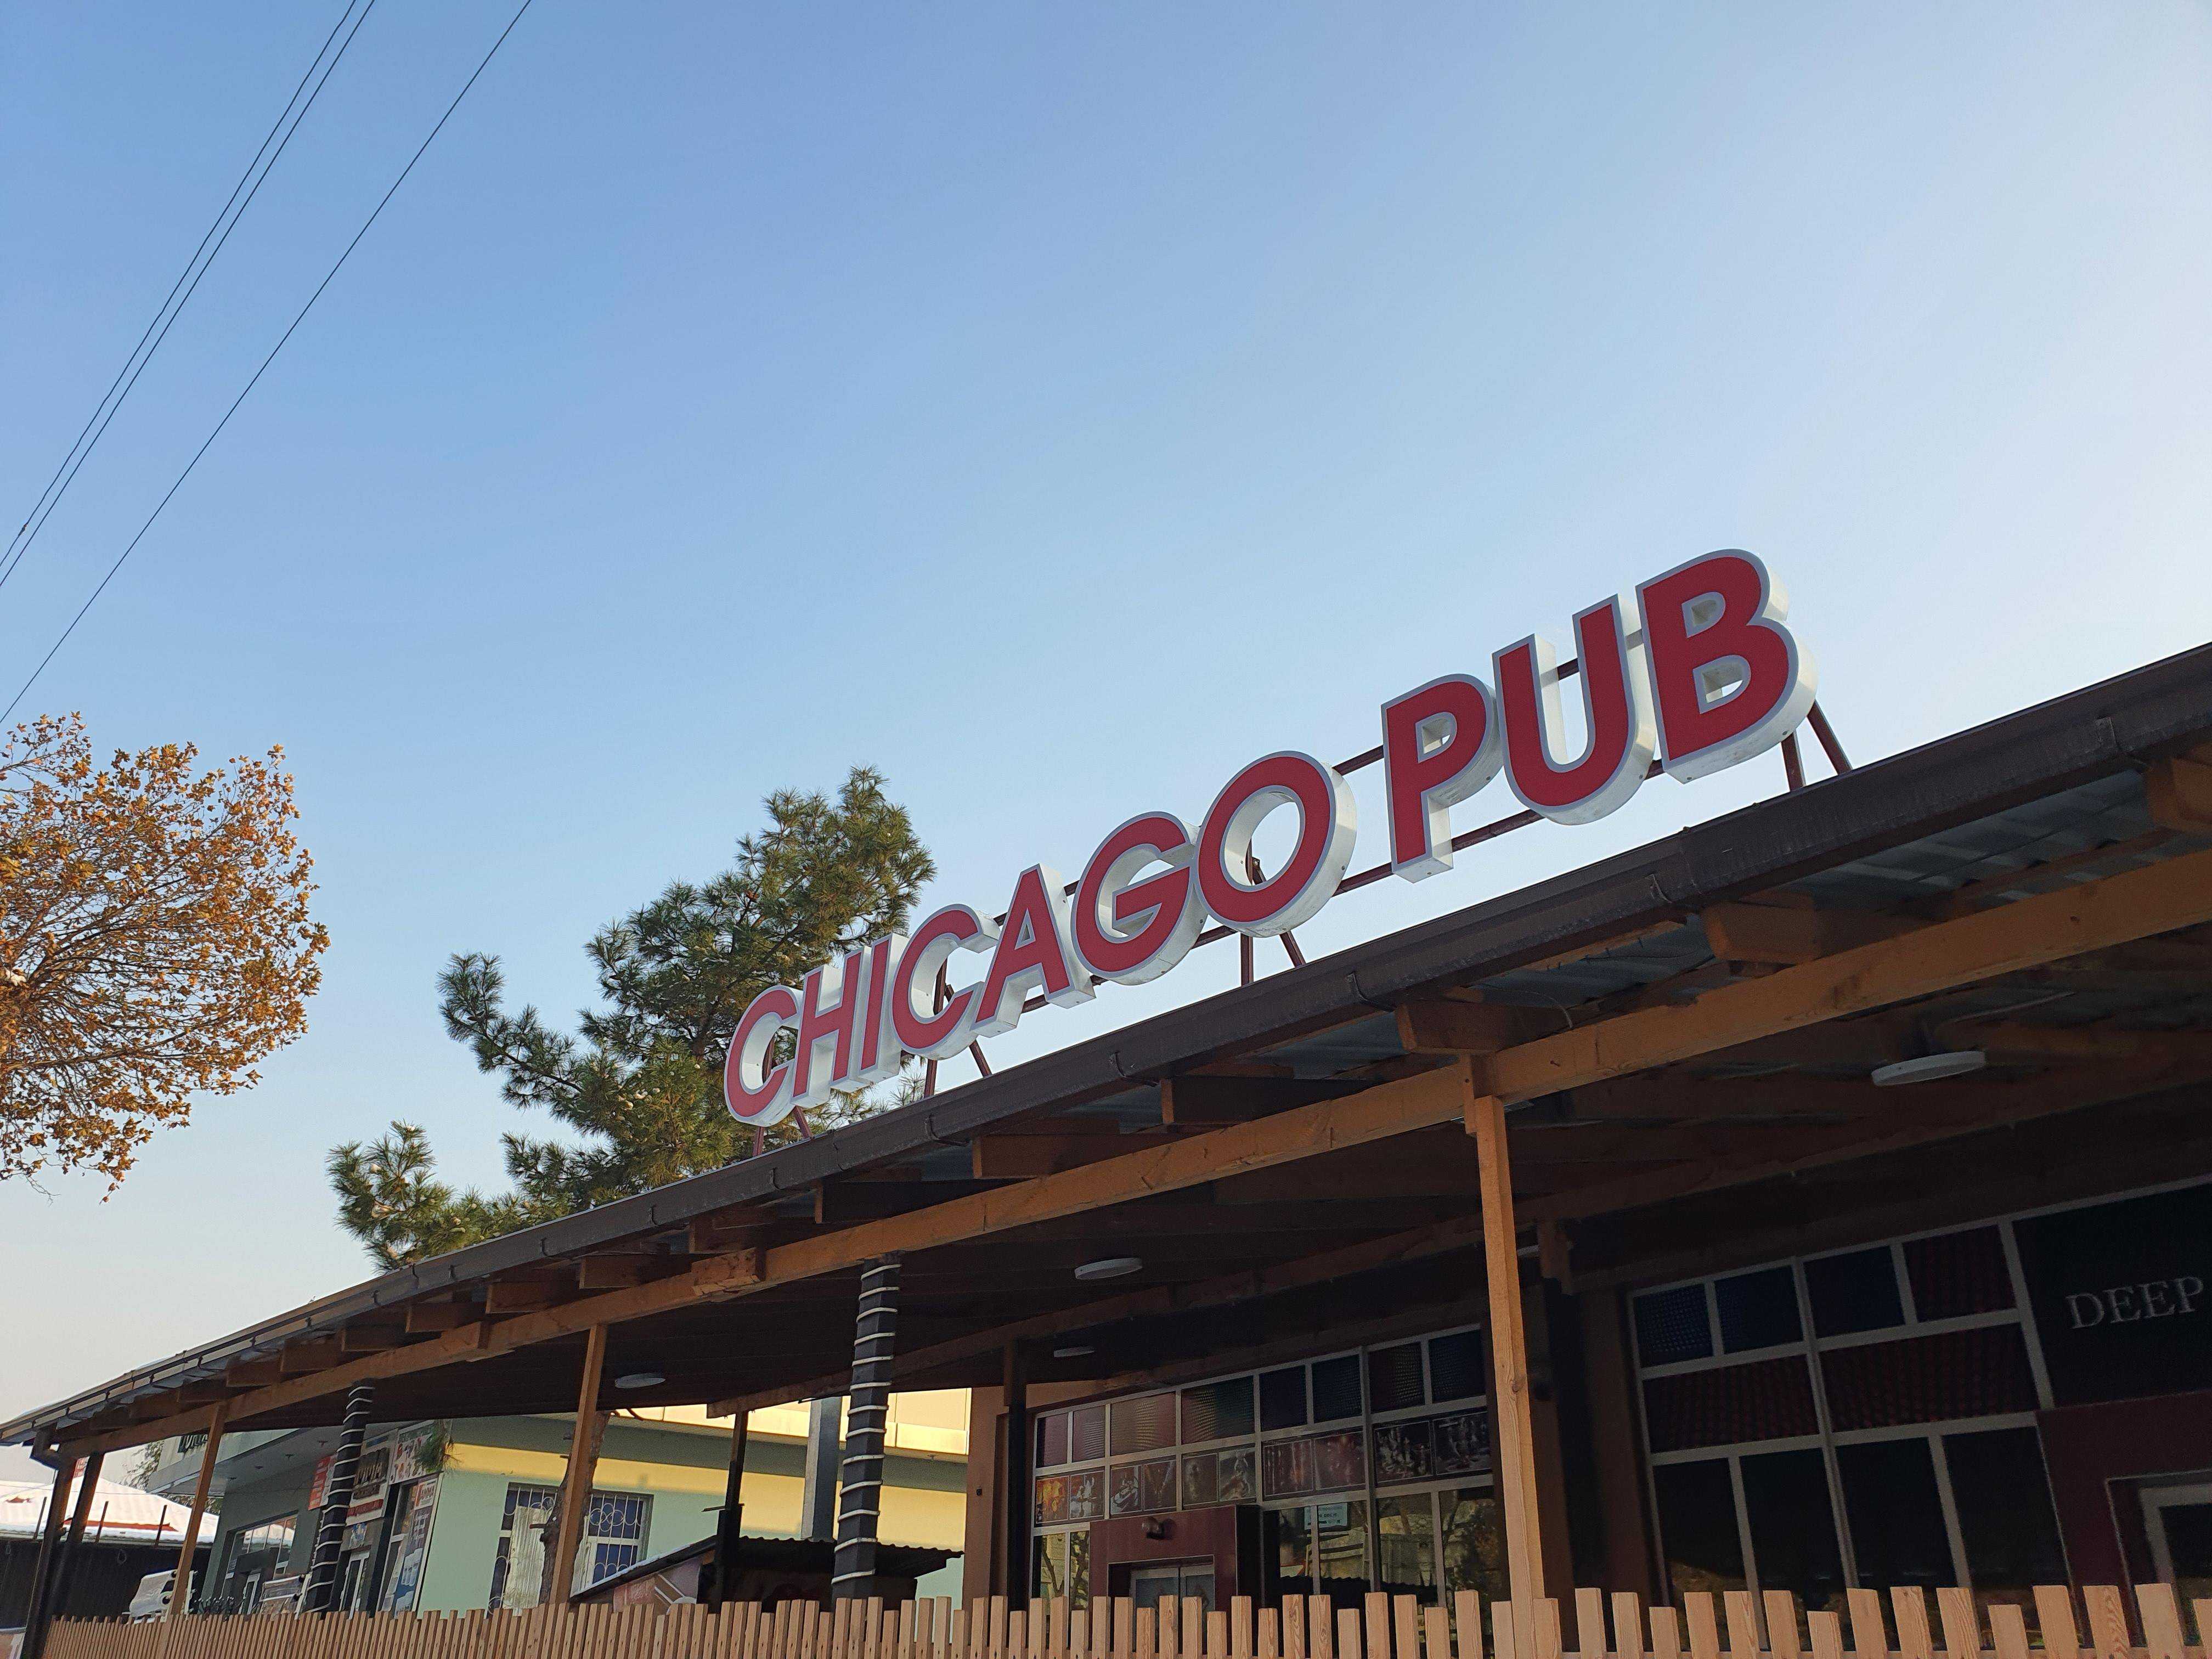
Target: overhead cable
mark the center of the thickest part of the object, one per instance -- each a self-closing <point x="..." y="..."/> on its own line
<point x="187" y="283"/>
<point x="302" y="316"/>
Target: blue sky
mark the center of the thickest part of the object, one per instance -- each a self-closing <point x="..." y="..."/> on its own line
<point x="1053" y="406"/>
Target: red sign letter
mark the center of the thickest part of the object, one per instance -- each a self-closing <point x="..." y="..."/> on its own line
<point x="1440" y="744"/>
<point x="834" y="1026"/>
<point x="1731" y="680"/>
<point x="1032" y="955"/>
<point x="1617" y="704"/>
<point x="757" y="1096"/>
<point x="1131" y="931"/>
<point x="933" y="1035"/>
<point x="1327" y="825"/>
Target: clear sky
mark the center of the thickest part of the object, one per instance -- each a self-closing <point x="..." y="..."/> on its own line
<point x="1054" y="406"/>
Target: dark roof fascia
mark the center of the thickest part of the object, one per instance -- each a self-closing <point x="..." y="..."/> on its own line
<point x="2122" y="723"/>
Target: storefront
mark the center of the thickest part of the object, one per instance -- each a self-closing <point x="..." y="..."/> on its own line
<point x="1815" y="1199"/>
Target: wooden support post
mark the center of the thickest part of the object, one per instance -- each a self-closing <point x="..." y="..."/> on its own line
<point x="729" y="1525"/>
<point x="583" y="1463"/>
<point x="1015" y="1472"/>
<point x="1514" y="1453"/>
<point x="55" y="1602"/>
<point x="861" y="1479"/>
<point x="337" y="1499"/>
<point x="41" y="1611"/>
<point x="181" y="1593"/>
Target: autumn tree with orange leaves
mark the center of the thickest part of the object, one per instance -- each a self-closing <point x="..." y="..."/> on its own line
<point x="155" y="941"/>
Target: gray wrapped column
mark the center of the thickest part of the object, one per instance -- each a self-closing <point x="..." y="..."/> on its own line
<point x="337" y="1499"/>
<point x="862" y="1481"/>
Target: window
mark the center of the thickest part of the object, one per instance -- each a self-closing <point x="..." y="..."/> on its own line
<point x="2006" y="1524"/>
<point x="1896" y="1513"/>
<point x="1394" y="1377"/>
<point x="1862" y="1418"/>
<point x="1697" y="1518"/>
<point x="1336" y="1388"/>
<point x="1757" y="1310"/>
<point x="1455" y="1367"/>
<point x="1854" y="1292"/>
<point x="1283" y="1398"/>
<point x="614" y="1526"/>
<point x="1793" y="1527"/>
<point x="1405" y="1528"/>
<point x="1672" y="1326"/>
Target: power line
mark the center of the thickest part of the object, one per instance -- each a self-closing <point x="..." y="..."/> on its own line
<point x="266" y="361"/>
<point x="57" y="486"/>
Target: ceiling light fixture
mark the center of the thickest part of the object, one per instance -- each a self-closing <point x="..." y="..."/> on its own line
<point x="1924" y="1069"/>
<point x="1111" y="1266"/>
<point x="1074" y="1351"/>
<point x="640" y="1380"/>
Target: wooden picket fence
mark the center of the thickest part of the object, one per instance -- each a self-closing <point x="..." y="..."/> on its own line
<point x="1734" y="1625"/>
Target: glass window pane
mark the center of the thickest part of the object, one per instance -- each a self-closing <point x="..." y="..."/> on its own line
<point x="1895" y="1516"/>
<point x="1283" y="1398"/>
<point x="1336" y="1388"/>
<point x="1854" y="1292"/>
<point x="1051" y="1553"/>
<point x="1078" y="1569"/>
<point x="1086" y="1434"/>
<point x="1406" y="1529"/>
<point x="1697" y="1516"/>
<point x="1671" y="1325"/>
<point x="1216" y="1411"/>
<point x="1793" y="1528"/>
<point x="1290" y="1548"/>
<point x="1757" y="1310"/>
<point x="1341" y="1551"/>
<point x="1051" y="1440"/>
<point x="1473" y="1542"/>
<point x="1455" y="1367"/>
<point x="1959" y="1274"/>
<point x="1394" y="1377"/>
<point x="1144" y="1424"/>
<point x="2005" y="1520"/>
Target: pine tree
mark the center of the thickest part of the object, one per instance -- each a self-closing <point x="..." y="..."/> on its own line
<point x="640" y="1082"/>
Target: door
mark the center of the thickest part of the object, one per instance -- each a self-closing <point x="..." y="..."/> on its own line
<point x="2178" y="1519"/>
<point x="1190" y="1580"/>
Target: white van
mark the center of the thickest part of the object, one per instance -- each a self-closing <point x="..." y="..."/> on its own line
<point x="152" y="1600"/>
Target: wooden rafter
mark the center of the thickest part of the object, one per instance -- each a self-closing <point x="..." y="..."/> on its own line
<point x="2010" y="938"/>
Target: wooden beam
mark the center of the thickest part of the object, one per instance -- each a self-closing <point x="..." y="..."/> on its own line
<point x="614" y="1271"/>
<point x="305" y="1358"/>
<point x="1158" y="1302"/>
<point x="1207" y="1100"/>
<point x="2180" y="793"/>
<point x="371" y="1339"/>
<point x="1789" y="935"/>
<point x="1448" y="1026"/>
<point x="253" y="1373"/>
<point x="583" y="1463"/>
<point x="1026" y="1157"/>
<point x="841" y="1203"/>
<point x="737" y="1228"/>
<point x="1923" y="1113"/>
<point x="507" y="1296"/>
<point x="1514" y="1452"/>
<point x="181" y="1591"/>
<point x="427" y="1318"/>
<point x="2086" y="1042"/>
<point x="2028" y="932"/>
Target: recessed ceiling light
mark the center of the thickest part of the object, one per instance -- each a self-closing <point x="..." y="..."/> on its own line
<point x="1924" y="1067"/>
<point x="640" y="1380"/>
<point x="1111" y="1266"/>
<point x="1074" y="1351"/>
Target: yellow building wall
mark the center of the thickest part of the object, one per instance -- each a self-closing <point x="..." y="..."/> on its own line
<point x="932" y="1425"/>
